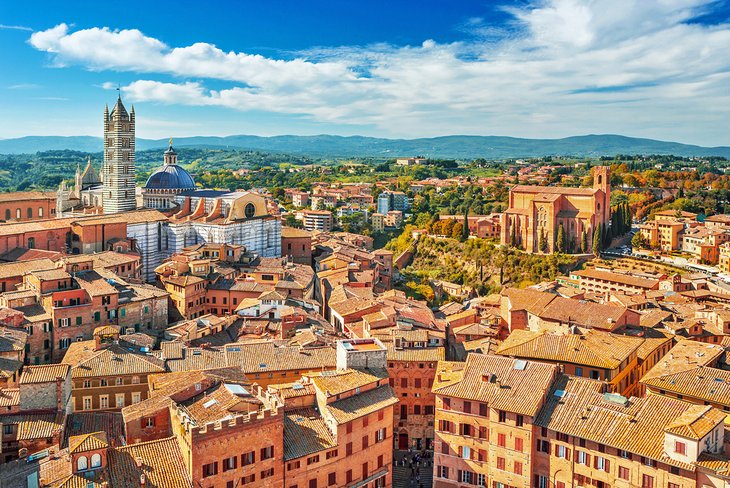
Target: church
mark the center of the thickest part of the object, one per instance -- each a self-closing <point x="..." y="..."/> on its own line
<point x="193" y="215"/>
<point x="537" y="211"/>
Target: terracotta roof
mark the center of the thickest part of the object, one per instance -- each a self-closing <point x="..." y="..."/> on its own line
<point x="503" y="383"/>
<point x="414" y="354"/>
<point x="87" y="442"/>
<point x="696" y="422"/>
<point x="110" y="361"/>
<point x="333" y="383"/>
<point x="9" y="397"/>
<point x="17" y="196"/>
<point x="35" y="425"/>
<point x="111" y="423"/>
<point x="12" y="340"/>
<point x="593" y="348"/>
<point x="555" y="190"/>
<point x="220" y="403"/>
<point x="46" y="373"/>
<point x="578" y="407"/>
<point x="623" y="279"/>
<point x="263" y="357"/>
<point x="162" y="464"/>
<point x="305" y="433"/>
<point x="362" y="404"/>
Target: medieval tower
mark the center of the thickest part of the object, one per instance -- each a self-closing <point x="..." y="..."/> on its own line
<point x="119" y="170"/>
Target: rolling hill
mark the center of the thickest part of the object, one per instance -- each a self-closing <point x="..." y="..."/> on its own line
<point x="459" y="147"/>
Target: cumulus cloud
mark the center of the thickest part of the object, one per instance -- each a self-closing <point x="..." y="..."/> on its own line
<point x="562" y="67"/>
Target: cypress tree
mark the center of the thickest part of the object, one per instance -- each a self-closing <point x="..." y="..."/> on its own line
<point x="584" y="242"/>
<point x="543" y="240"/>
<point x="465" y="229"/>
<point x="597" y="241"/>
<point x="560" y="244"/>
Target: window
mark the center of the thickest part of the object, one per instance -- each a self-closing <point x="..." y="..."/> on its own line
<point x="248" y="458"/>
<point x="502" y="416"/>
<point x="248" y="479"/>
<point x="136" y="397"/>
<point x="624" y="454"/>
<point x="332" y="479"/>
<point x="95" y="460"/>
<point x="119" y="400"/>
<point x="442" y="472"/>
<point x="541" y="481"/>
<point x="562" y="452"/>
<point x="380" y="435"/>
<point x="501" y="440"/>
<point x="267" y="473"/>
<point x="466" y="452"/>
<point x="348" y="476"/>
<point x="82" y="463"/>
<point x="483" y="409"/>
<point x="582" y="458"/>
<point x="518" y="444"/>
<point x="543" y="446"/>
<point x="104" y="401"/>
<point x="647" y="481"/>
<point x="331" y="454"/>
<point x="348" y="449"/>
<point x="447" y="403"/>
<point x="87" y="403"/>
<point x="520" y="421"/>
<point x="500" y="463"/>
<point x="87" y="383"/>
<point x="483" y="432"/>
<point x="267" y="453"/>
<point x="467" y="407"/>
<point x="518" y="468"/>
<point x="312" y="459"/>
<point x="672" y="485"/>
<point x="230" y="463"/>
<point x="623" y="472"/>
<point x="364" y="441"/>
<point x="680" y="448"/>
<point x="210" y="469"/>
<point x="601" y="463"/>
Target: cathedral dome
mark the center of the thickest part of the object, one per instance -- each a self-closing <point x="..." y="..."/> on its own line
<point x="170" y="177"/>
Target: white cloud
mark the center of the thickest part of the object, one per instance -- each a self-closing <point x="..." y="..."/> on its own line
<point x="567" y="67"/>
<point x="15" y="27"/>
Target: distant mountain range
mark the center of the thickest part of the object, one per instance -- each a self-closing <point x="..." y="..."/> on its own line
<point x="459" y="147"/>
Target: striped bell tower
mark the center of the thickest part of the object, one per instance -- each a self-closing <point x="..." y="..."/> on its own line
<point x="119" y="169"/>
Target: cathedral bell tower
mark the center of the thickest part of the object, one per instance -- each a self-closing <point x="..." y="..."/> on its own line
<point x="602" y="181"/>
<point x="118" y="168"/>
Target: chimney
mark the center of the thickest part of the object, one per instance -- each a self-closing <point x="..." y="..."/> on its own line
<point x="142" y="480"/>
<point x="138" y="460"/>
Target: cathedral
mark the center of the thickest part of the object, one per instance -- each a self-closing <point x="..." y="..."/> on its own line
<point x="535" y="214"/>
<point x="194" y="216"/>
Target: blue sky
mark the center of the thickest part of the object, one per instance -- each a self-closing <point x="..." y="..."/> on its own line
<point x="543" y="68"/>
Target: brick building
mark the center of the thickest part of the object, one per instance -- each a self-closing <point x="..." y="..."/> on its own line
<point x="296" y="245"/>
<point x="27" y="205"/>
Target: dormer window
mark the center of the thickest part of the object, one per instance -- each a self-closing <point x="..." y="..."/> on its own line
<point x="680" y="448"/>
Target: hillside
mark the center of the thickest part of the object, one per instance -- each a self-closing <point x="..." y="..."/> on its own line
<point x="460" y="147"/>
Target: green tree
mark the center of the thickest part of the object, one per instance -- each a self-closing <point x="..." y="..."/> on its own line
<point x="638" y="241"/>
<point x="560" y="243"/>
<point x="543" y="240"/>
<point x="597" y="240"/>
<point x="584" y="242"/>
<point x="457" y="230"/>
<point x="513" y="237"/>
<point x="465" y="226"/>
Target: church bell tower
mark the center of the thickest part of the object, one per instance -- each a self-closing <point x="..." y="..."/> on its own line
<point x="119" y="169"/>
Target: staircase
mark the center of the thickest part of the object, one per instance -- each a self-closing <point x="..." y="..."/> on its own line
<point x="402" y="474"/>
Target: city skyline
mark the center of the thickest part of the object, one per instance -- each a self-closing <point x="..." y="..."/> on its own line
<point x="528" y="69"/>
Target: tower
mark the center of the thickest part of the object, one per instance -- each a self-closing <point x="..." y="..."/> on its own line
<point x="602" y="181"/>
<point x="118" y="167"/>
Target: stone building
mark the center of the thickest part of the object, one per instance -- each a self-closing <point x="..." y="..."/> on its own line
<point x="537" y="211"/>
<point x="119" y="169"/>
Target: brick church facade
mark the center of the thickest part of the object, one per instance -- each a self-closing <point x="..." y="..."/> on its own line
<point x="540" y="210"/>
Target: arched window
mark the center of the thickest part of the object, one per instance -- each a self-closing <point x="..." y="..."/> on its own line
<point x="30" y="213"/>
<point x="95" y="460"/>
<point x="600" y="179"/>
<point x="17" y="214"/>
<point x="82" y="464"/>
<point x="31" y="243"/>
<point x="40" y="211"/>
<point x="7" y="214"/>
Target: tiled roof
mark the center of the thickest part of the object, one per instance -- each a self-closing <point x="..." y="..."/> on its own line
<point x="305" y="432"/>
<point x="9" y="367"/>
<point x="12" y="340"/>
<point x="35" y="425"/>
<point x="162" y="464"/>
<point x="94" y="284"/>
<point x="334" y="383"/>
<point x="219" y="403"/>
<point x="593" y="348"/>
<point x="9" y="397"/>
<point x="111" y="423"/>
<point x="197" y="358"/>
<point x="686" y="355"/>
<point x="620" y="278"/>
<point x="262" y="357"/>
<point x="45" y="373"/>
<point x="362" y="404"/>
<point x="294" y="390"/>
<point x="87" y="442"/>
<point x="113" y="361"/>
<point x="414" y="354"/>
<point x="503" y="383"/>
<point x="21" y="268"/>
<point x="696" y="422"/>
<point x="709" y="384"/>
<point x="577" y="407"/>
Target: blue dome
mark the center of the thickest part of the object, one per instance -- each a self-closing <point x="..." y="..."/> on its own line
<point x="170" y="177"/>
